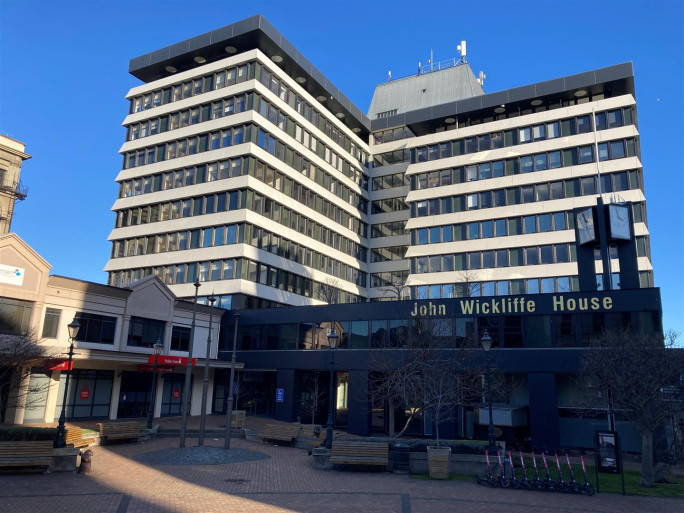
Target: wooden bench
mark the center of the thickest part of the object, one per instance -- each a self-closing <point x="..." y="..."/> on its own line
<point x="26" y="454"/>
<point x="348" y="452"/>
<point x="237" y="419"/>
<point x="74" y="438"/>
<point x="119" y="430"/>
<point x="282" y="432"/>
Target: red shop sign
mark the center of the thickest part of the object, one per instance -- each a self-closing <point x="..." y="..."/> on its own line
<point x="85" y="392"/>
<point x="171" y="360"/>
<point x="61" y="365"/>
<point x="176" y="393"/>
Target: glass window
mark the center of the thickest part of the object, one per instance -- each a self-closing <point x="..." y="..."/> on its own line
<point x="502" y="258"/>
<point x="474" y="260"/>
<point x="539" y="132"/>
<point x="471" y="173"/>
<point x="603" y="151"/>
<point x="540" y="162"/>
<point x="525" y="135"/>
<point x="180" y="338"/>
<point x="546" y="254"/>
<point x="614" y="118"/>
<point x="601" y="121"/>
<point x="544" y="222"/>
<point x="526" y="164"/>
<point x="473" y="230"/>
<point x="472" y="201"/>
<point x="485" y="171"/>
<point x="500" y="227"/>
<point x="487" y="229"/>
<point x="531" y="256"/>
<point x="498" y="168"/>
<point x="530" y="224"/>
<point x="532" y="286"/>
<point x="617" y="150"/>
<point x="562" y="254"/>
<point x="586" y="154"/>
<point x="51" y="322"/>
<point x="421" y="236"/>
<point x="588" y="185"/>
<point x="95" y="328"/>
<point x="547" y="285"/>
<point x="583" y="124"/>
<point x="553" y="130"/>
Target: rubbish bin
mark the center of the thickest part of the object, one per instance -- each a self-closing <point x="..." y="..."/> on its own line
<point x="401" y="454"/>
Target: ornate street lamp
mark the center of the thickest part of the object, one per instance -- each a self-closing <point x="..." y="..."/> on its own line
<point x="486" y="342"/>
<point x="60" y="441"/>
<point x="158" y="348"/>
<point x="229" y="402"/>
<point x="205" y="381"/>
<point x="332" y="342"/>
<point x="188" y="370"/>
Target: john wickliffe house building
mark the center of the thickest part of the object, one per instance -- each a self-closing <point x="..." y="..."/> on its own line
<point x="243" y="166"/>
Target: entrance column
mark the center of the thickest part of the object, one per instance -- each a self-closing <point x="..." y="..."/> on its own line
<point x="285" y="410"/>
<point x="116" y="388"/>
<point x="359" y="416"/>
<point x="544" y="428"/>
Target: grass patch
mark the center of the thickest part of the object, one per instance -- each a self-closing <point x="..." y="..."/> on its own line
<point x="612" y="483"/>
<point x="609" y="483"/>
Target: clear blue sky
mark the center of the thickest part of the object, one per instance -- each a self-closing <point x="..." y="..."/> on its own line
<point x="64" y="75"/>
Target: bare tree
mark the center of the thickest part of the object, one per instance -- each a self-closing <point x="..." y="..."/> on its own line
<point x="427" y="374"/>
<point x="467" y="284"/>
<point x="312" y="395"/>
<point x="635" y="369"/>
<point x="18" y="353"/>
<point x="396" y="289"/>
<point x="329" y="291"/>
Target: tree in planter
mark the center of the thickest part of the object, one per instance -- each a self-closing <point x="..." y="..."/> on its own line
<point x="18" y="353"/>
<point x="634" y="368"/>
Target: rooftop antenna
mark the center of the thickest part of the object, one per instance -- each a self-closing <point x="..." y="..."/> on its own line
<point x="462" y="48"/>
<point x="481" y="78"/>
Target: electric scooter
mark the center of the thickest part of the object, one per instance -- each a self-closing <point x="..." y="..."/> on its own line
<point x="514" y="481"/>
<point x="587" y="488"/>
<point x="501" y="480"/>
<point x="561" y="485"/>
<point x="549" y="484"/>
<point x="537" y="483"/>
<point x="575" y="487"/>
<point x="525" y="483"/>
<point x="489" y="478"/>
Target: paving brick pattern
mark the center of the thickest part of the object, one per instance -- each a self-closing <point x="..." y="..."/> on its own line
<point x="283" y="482"/>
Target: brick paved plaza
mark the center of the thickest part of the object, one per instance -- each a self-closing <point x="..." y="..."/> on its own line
<point x="283" y="482"/>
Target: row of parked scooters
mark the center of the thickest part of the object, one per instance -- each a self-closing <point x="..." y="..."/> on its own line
<point x="536" y="482"/>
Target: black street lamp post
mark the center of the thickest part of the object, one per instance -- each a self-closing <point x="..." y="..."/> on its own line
<point x="188" y="370"/>
<point x="229" y="402"/>
<point x="60" y="441"/>
<point x="158" y="348"/>
<point x="205" y="381"/>
<point x="486" y="342"/>
<point x="332" y="342"/>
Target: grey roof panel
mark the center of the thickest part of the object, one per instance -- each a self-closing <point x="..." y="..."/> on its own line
<point x="580" y="80"/>
<point x="420" y="91"/>
<point x="550" y="86"/>
<point x="521" y="93"/>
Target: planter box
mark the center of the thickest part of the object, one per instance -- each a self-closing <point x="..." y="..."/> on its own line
<point x="438" y="462"/>
<point x="469" y="464"/>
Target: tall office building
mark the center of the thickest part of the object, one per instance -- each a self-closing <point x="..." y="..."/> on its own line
<point x="12" y="156"/>
<point x="245" y="167"/>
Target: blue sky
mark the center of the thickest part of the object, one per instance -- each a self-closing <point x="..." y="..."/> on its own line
<point x="64" y="75"/>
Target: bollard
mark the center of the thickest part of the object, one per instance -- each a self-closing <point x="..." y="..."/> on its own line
<point x="86" y="461"/>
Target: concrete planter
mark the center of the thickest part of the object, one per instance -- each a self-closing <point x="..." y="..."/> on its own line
<point x="64" y="459"/>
